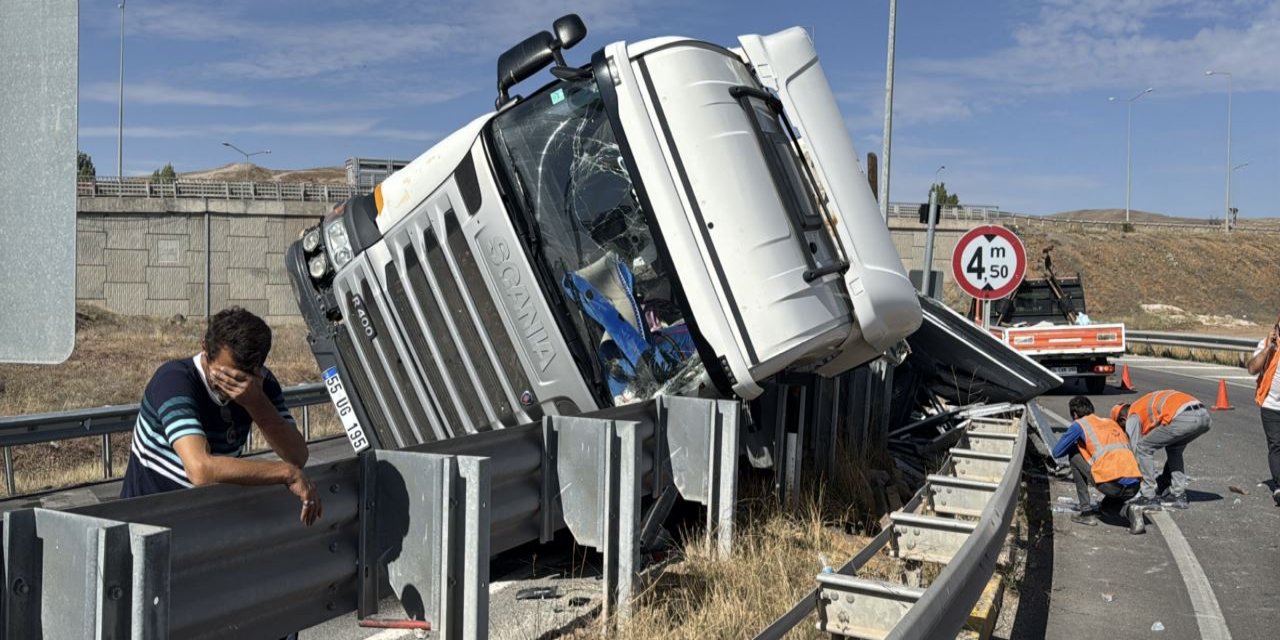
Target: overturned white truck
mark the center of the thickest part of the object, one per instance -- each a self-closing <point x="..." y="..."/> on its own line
<point x="674" y="217"/>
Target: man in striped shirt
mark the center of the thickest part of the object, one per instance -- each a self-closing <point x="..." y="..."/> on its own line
<point x="196" y="414"/>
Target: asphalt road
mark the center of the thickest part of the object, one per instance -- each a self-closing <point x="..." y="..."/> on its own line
<point x="1101" y="582"/>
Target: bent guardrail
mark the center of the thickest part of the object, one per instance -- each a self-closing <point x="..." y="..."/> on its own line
<point x="980" y="477"/>
<point x="1192" y="341"/>
<point x="226" y="561"/>
<point x="36" y="428"/>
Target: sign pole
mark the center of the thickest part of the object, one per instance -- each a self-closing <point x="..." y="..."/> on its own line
<point x="986" y="314"/>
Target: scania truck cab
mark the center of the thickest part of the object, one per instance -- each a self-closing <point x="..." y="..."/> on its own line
<point x="674" y="217"/>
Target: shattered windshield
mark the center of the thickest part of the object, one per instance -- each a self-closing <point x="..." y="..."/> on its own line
<point x="560" y="156"/>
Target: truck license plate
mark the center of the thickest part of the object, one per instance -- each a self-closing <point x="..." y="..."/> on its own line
<point x="1064" y="371"/>
<point x="346" y="413"/>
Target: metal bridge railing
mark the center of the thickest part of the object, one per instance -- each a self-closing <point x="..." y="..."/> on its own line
<point x="36" y="428"/>
<point x="138" y="188"/>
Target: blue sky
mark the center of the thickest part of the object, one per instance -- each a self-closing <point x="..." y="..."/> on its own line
<point x="1010" y="95"/>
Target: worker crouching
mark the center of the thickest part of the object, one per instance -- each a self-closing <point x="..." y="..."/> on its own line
<point x="1100" y="456"/>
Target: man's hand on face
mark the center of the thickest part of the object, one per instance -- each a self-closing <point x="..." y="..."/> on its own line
<point x="241" y="387"/>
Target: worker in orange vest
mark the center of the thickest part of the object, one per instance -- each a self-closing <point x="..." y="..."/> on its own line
<point x="1100" y="455"/>
<point x="1168" y="420"/>
<point x="1264" y="365"/>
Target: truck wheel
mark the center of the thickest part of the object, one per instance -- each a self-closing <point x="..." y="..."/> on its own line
<point x="1095" y="384"/>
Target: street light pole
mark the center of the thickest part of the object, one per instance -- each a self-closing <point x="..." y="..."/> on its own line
<point x="1128" y="148"/>
<point x="1226" y="220"/>
<point x="246" y="155"/>
<point x="120" y="103"/>
<point x="887" y="145"/>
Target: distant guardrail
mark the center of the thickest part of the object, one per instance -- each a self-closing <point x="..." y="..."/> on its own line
<point x="993" y="214"/>
<point x="36" y="428"/>
<point x="136" y="188"/>
<point x="1192" y="341"/>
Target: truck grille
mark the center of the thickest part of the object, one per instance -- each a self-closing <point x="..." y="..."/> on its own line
<point x="433" y="344"/>
<point x="357" y="375"/>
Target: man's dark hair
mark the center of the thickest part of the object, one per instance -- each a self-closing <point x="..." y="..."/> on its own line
<point x="1080" y="407"/>
<point x="245" y="335"/>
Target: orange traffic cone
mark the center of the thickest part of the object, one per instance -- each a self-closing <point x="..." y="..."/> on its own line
<point x="1223" y="403"/>
<point x="1125" y="383"/>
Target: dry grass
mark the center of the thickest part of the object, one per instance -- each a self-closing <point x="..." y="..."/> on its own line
<point x="112" y="362"/>
<point x="1201" y="272"/>
<point x="703" y="596"/>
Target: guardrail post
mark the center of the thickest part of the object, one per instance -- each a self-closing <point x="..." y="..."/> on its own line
<point x="702" y="437"/>
<point x="106" y="455"/>
<point x="10" y="483"/>
<point x="598" y="474"/>
<point x="74" y="576"/>
<point x="424" y="525"/>
<point x="306" y="422"/>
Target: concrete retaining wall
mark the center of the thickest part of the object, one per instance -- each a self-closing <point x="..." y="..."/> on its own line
<point x="146" y="256"/>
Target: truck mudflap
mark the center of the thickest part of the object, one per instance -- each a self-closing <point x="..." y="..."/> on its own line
<point x="884" y="302"/>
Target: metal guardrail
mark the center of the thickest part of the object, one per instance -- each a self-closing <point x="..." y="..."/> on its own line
<point x="234" y="561"/>
<point x="980" y="478"/>
<point x="993" y="214"/>
<point x="36" y="428"/>
<point x="141" y="188"/>
<point x="1192" y="341"/>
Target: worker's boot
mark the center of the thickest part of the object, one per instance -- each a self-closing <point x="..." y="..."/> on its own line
<point x="1137" y="519"/>
<point x="1087" y="517"/>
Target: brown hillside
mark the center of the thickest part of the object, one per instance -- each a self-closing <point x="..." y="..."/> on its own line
<point x="1201" y="272"/>
<point x="240" y="171"/>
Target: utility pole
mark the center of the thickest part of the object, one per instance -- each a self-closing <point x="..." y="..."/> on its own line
<point x="1226" y="218"/>
<point x="888" y="114"/>
<point x="120" y="103"/>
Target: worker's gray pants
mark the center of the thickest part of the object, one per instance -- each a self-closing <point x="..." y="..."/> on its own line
<point x="1173" y="438"/>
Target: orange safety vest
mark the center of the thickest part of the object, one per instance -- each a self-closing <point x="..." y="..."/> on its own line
<point x="1158" y="408"/>
<point x="1106" y="448"/>
<point x="1265" y="378"/>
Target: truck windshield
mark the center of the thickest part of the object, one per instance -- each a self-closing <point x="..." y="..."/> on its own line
<point x="560" y="157"/>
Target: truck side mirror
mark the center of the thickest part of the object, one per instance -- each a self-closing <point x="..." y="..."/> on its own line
<point x="569" y="30"/>
<point x="523" y="60"/>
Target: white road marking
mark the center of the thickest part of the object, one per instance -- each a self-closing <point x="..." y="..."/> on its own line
<point x="1213" y="626"/>
<point x="391" y="634"/>
<point x="1055" y="416"/>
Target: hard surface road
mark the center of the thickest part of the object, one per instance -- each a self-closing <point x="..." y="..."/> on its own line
<point x="1211" y="572"/>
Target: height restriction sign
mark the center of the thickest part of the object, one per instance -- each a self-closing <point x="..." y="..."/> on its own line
<point x="989" y="262"/>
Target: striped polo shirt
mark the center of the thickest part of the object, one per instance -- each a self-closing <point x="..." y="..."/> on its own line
<point x="178" y="402"/>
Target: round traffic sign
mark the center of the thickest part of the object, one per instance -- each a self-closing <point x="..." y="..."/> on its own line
<point x="989" y="262"/>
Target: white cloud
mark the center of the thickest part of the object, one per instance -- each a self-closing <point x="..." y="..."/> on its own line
<point x="1091" y="45"/>
<point x="155" y="93"/>
<point x="354" y="128"/>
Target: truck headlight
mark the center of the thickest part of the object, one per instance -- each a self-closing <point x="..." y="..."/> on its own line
<point x="339" y="244"/>
<point x="318" y="266"/>
<point x="311" y="240"/>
